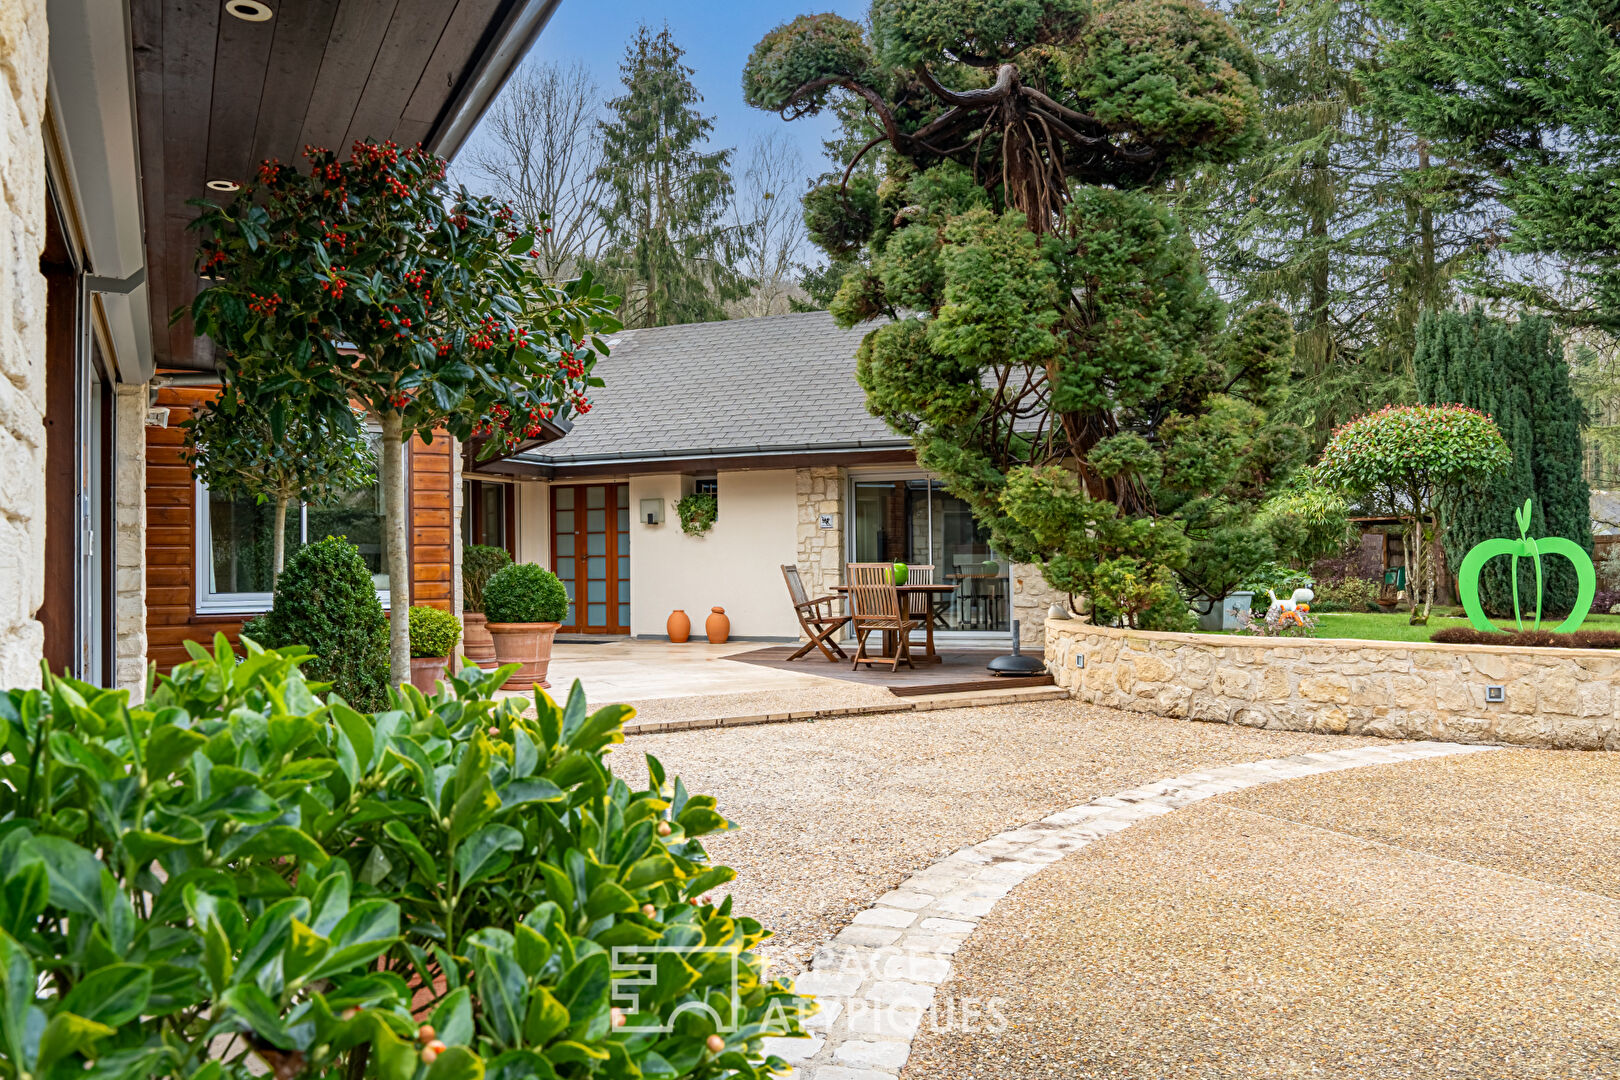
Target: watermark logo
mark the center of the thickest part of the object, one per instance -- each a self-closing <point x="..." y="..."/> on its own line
<point x="638" y="971"/>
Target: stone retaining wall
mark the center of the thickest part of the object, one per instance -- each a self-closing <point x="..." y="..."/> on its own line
<point x="1565" y="698"/>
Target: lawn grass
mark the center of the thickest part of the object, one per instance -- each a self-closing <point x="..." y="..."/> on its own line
<point x="1376" y="626"/>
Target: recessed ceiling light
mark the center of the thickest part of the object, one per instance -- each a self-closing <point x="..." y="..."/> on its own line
<point x="249" y="10"/>
<point x="224" y="185"/>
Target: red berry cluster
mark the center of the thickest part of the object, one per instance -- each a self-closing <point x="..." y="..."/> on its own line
<point x="264" y="306"/>
<point x="573" y="365"/>
<point x="334" y="285"/>
<point x="484" y="336"/>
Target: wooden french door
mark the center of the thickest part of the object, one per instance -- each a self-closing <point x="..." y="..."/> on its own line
<point x="590" y="552"/>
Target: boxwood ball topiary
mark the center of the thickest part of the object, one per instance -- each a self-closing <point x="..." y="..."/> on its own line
<point x="433" y="632"/>
<point x="525" y="593"/>
<point x="327" y="602"/>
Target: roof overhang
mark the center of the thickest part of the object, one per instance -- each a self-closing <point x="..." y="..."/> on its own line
<point x="215" y="94"/>
<point x="537" y="467"/>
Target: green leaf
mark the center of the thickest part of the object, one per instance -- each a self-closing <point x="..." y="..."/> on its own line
<point x="608" y="899"/>
<point x="456" y="1063"/>
<point x="17" y="990"/>
<point x="650" y="871"/>
<point x="700" y="821"/>
<point x="519" y="792"/>
<point x="405" y="838"/>
<point x="113" y="995"/>
<point x="583" y="991"/>
<point x="476" y="804"/>
<point x="476" y="856"/>
<point x="169" y="747"/>
<point x="277" y="841"/>
<point x="501" y="994"/>
<point x="67" y="1034"/>
<point x="714" y="875"/>
<point x="546" y="1017"/>
<point x="305" y="948"/>
<point x="259" y="1012"/>
<point x="453" y="1019"/>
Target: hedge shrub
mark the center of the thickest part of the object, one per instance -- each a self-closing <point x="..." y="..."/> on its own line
<point x="326" y="602"/>
<point x="237" y="870"/>
<point x="479" y="562"/>
<point x="525" y="593"/>
<point x="433" y="632"/>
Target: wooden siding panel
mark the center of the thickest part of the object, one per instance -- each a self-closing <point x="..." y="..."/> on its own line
<point x="171" y="557"/>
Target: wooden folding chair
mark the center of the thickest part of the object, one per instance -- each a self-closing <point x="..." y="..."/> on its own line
<point x="875" y="606"/>
<point x="920" y="606"/>
<point x="818" y="618"/>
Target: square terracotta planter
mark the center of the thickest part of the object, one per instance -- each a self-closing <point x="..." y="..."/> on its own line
<point x="529" y="646"/>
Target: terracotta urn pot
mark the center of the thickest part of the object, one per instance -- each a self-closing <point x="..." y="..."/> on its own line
<point x="426" y="671"/>
<point x="478" y="646"/>
<point x="717" y="626"/>
<point x="678" y="626"/>
<point x="527" y="644"/>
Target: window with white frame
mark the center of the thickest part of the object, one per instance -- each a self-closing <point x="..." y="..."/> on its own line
<point x="236" y="543"/>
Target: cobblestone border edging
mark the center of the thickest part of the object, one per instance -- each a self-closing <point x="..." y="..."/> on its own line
<point x="928" y="703"/>
<point x="876" y="980"/>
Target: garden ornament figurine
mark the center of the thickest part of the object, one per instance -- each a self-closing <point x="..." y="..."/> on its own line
<point x="1532" y="548"/>
<point x="1300" y="601"/>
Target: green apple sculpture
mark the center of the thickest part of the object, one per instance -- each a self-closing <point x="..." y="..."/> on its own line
<point x="1485" y="550"/>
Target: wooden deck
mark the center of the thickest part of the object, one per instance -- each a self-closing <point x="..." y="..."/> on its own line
<point x="957" y="672"/>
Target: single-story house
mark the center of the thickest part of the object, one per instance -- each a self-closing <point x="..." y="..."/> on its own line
<point x="113" y="117"/>
<point x="766" y="414"/>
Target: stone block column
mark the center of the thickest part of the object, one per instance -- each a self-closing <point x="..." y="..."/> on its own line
<point x="129" y="539"/>
<point x="23" y="61"/>
<point x="1031" y="597"/>
<point x="820" y="555"/>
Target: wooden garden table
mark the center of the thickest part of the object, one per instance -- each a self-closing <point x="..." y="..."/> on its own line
<point x="907" y="591"/>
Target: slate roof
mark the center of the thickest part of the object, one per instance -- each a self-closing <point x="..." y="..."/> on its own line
<point x="782" y="384"/>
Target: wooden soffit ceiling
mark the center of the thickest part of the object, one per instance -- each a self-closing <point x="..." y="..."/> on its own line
<point x="217" y="94"/>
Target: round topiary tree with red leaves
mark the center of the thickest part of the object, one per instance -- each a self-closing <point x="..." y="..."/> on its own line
<point x="1412" y="462"/>
<point x="370" y="281"/>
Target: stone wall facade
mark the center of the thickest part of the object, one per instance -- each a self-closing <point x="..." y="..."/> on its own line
<point x="821" y="551"/>
<point x="1031" y="597"/>
<point x="1564" y="698"/>
<point x="129" y="539"/>
<point x="23" y="44"/>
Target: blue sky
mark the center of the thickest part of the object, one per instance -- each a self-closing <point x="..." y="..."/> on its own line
<point x="717" y="37"/>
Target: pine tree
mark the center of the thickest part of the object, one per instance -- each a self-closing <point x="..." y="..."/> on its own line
<point x="1343" y="217"/>
<point x="1527" y="93"/>
<point x="671" y="246"/>
<point x="1517" y="373"/>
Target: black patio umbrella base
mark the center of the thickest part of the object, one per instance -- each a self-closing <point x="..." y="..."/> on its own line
<point x="1017" y="663"/>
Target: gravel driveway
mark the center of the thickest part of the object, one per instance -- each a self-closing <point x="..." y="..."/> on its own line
<point x="1456" y="918"/>
<point x="833" y="814"/>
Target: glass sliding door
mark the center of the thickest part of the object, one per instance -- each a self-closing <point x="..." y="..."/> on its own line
<point x="914" y="520"/>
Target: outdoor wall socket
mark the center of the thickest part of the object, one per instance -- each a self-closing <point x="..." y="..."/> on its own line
<point x="1495" y="693"/>
<point x="652" y="511"/>
<point x="1079" y="659"/>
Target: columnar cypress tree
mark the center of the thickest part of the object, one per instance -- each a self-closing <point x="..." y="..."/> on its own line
<point x="1517" y="373"/>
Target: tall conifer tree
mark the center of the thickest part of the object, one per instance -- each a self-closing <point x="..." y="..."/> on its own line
<point x="1343" y="217"/>
<point x="671" y="245"/>
<point x="1517" y="373"/>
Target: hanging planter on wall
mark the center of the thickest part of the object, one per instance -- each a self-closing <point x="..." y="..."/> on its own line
<point x="697" y="512"/>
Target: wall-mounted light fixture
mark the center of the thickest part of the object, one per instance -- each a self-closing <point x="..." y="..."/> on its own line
<point x="1496" y="693"/>
<point x="249" y="10"/>
<point x="652" y="511"/>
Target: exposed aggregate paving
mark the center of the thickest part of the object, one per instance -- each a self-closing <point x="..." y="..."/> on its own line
<point x="1450" y="918"/>
<point x="835" y="813"/>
